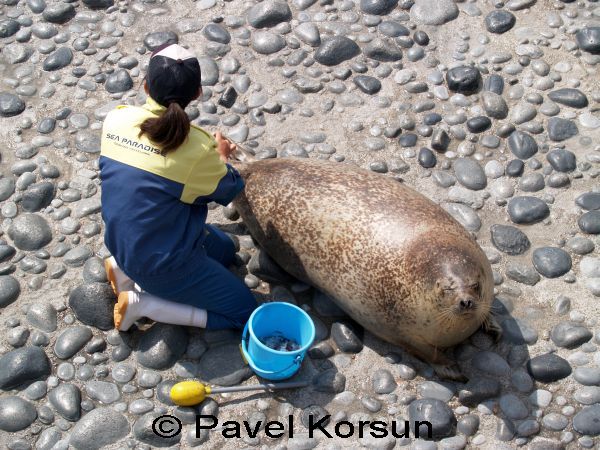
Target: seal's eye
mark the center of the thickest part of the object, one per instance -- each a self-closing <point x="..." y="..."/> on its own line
<point x="476" y="288"/>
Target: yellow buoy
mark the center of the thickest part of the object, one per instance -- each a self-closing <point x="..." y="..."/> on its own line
<point x="189" y="393"/>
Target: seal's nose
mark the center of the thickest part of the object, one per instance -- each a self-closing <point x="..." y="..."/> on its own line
<point x="467" y="303"/>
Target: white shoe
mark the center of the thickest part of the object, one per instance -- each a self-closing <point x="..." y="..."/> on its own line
<point x="132" y="306"/>
<point x="117" y="278"/>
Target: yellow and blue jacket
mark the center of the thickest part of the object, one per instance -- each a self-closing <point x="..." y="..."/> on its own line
<point x="154" y="207"/>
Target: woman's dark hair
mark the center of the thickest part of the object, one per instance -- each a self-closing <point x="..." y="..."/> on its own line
<point x="169" y="130"/>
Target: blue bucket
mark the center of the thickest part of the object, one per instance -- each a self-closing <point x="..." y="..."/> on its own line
<point x="272" y="319"/>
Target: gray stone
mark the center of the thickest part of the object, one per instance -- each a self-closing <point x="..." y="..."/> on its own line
<point x="161" y="346"/>
<point x="93" y="304"/>
<point x="102" y="391"/>
<point x="269" y="13"/>
<point x="336" y="49"/>
<point x="7" y="186"/>
<point x="522" y="145"/>
<point x="465" y="215"/>
<point x="590" y="222"/>
<point x="142" y="430"/>
<point x="555" y="422"/>
<point x="8" y="27"/>
<point x="437" y="390"/>
<point x="308" y="33"/>
<point x="71" y="340"/>
<point x="59" y="12"/>
<point x="434" y="12"/>
<point x="154" y="40"/>
<point x="16" y="414"/>
<point x="588" y="395"/>
<point x="216" y="33"/>
<point x="478" y="390"/>
<point x="378" y="7"/>
<point x="329" y="381"/>
<point x="23" y="365"/>
<point x="209" y="70"/>
<point x="561" y="129"/>
<point x="369" y="85"/>
<point x="118" y="81"/>
<point x="513" y="407"/>
<point x="522" y="273"/>
<point x="499" y="21"/>
<point x="562" y="160"/>
<point x="494" y="105"/>
<point x="267" y="42"/>
<point x="551" y="262"/>
<point x="527" y="210"/>
<point x="42" y="316"/>
<point x="10" y="105"/>
<point x="570" y="335"/>
<point x="435" y="412"/>
<point x="345" y="338"/>
<point x="587" y="421"/>
<point x="588" y="39"/>
<point x="30" y="232"/>
<point x="588" y="201"/>
<point x="470" y="174"/>
<point x="92" y="433"/>
<point x="548" y="368"/>
<point x="383" y="382"/>
<point x="58" y="59"/>
<point x="66" y="399"/>
<point x="509" y="239"/>
<point x="222" y="364"/>
<point x="569" y="97"/>
<point x="87" y="142"/>
<point x="463" y="79"/>
<point x="9" y="290"/>
<point x="93" y="271"/>
<point x="491" y="363"/>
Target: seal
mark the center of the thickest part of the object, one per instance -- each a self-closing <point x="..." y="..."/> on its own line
<point x="392" y="259"/>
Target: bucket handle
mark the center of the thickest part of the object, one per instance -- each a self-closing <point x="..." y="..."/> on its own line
<point x="297" y="360"/>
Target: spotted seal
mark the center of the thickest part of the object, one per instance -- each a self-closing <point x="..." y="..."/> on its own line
<point x="392" y="259"/>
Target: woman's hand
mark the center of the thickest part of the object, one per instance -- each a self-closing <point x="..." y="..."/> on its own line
<point x="224" y="147"/>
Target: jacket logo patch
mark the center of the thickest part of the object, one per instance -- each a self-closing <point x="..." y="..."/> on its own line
<point x="132" y="144"/>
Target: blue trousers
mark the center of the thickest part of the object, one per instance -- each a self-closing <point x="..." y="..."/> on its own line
<point x="214" y="288"/>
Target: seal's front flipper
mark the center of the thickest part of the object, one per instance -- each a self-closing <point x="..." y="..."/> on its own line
<point x="449" y="372"/>
<point x="493" y="328"/>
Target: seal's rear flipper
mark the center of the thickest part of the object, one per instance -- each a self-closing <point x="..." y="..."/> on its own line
<point x="449" y="372"/>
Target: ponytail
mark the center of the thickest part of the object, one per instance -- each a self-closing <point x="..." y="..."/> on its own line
<point x="168" y="131"/>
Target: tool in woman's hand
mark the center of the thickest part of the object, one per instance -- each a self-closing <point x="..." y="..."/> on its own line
<point x="190" y="393"/>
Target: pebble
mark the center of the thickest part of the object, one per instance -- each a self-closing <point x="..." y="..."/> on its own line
<point x="551" y="262"/>
<point x="586" y="421"/>
<point x="66" y="399"/>
<point x="30" y="232"/>
<point x="463" y="79"/>
<point x="22" y="365"/>
<point x="42" y="316"/>
<point x="522" y="145"/>
<point x="548" y="368"/>
<point x="266" y="42"/>
<point x="335" y="50"/>
<point x="93" y="305"/>
<point x="435" y="412"/>
<point x="102" y="391"/>
<point x="268" y="14"/>
<point x="527" y="210"/>
<point x="10" y="105"/>
<point x="346" y="338"/>
<point x="10" y="290"/>
<point x="561" y="129"/>
<point x="569" y="97"/>
<point x="118" y="81"/>
<point x="570" y="335"/>
<point x="383" y="382"/>
<point x="491" y="363"/>
<point x="157" y="39"/>
<point x="589" y="222"/>
<point x="91" y="432"/>
<point x="71" y="340"/>
<point x="588" y="39"/>
<point x="499" y="21"/>
<point x="16" y="414"/>
<point x="329" y="381"/>
<point x="434" y="12"/>
<point x="470" y="174"/>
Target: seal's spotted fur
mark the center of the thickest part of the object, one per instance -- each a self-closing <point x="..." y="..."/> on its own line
<point x="391" y="258"/>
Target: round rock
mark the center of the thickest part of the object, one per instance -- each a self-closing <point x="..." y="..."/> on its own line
<point x="562" y="160"/>
<point x="92" y="432"/>
<point x="118" y="81"/>
<point x="435" y="412"/>
<point x="587" y="421"/>
<point x="336" y="49"/>
<point x="93" y="304"/>
<point x="66" y="399"/>
<point x="551" y="262"/>
<point x="522" y="145"/>
<point x="590" y="222"/>
<point x="434" y="12"/>
<point x="266" y="42"/>
<point x="463" y="79"/>
<point x="527" y="210"/>
<point x="16" y="414"/>
<point x="10" y="105"/>
<point x="71" y="340"/>
<point x="23" y="365"/>
<point x="499" y="21"/>
<point x="30" y="232"/>
<point x="159" y="38"/>
<point x="161" y="346"/>
<point x="470" y="174"/>
<point x="509" y="239"/>
<point x="269" y="13"/>
<point x="570" y="335"/>
<point x="548" y="368"/>
<point x="9" y="290"/>
<point x="588" y="39"/>
<point x="378" y="7"/>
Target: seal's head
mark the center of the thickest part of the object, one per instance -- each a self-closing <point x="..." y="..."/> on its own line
<point x="462" y="286"/>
